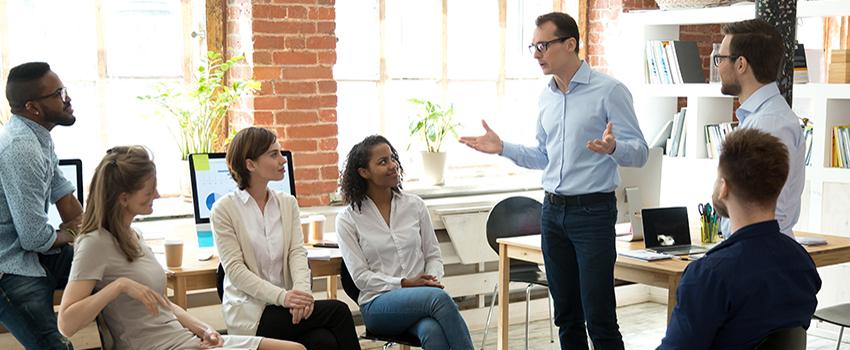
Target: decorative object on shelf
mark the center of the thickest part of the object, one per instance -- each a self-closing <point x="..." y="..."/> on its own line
<point x="200" y="107"/>
<point x="432" y="125"/>
<point x="686" y="4"/>
<point x="801" y="69"/>
<point x="839" y="69"/>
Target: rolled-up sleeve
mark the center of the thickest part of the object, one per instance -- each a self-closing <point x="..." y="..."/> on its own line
<point x="60" y="186"/>
<point x="632" y="150"/>
<point x="23" y="170"/>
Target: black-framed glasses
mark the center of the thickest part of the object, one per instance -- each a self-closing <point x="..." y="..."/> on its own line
<point x="719" y="58"/>
<point x="542" y="46"/>
<point x="61" y="92"/>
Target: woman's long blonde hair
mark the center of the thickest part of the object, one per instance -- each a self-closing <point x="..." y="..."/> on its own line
<point x="124" y="169"/>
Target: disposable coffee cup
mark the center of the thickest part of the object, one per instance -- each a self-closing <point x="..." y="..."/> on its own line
<point x="173" y="253"/>
<point x="305" y="229"/>
<point x="317" y="227"/>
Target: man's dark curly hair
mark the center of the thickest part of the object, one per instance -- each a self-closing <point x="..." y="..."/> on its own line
<point x="353" y="185"/>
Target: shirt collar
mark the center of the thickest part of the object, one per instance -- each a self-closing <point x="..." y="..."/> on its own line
<point x="243" y="196"/>
<point x="756" y="100"/>
<point x="40" y="132"/>
<point x="756" y="230"/>
<point x="582" y="76"/>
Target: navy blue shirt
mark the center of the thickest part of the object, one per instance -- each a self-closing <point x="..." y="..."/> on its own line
<point x="757" y="281"/>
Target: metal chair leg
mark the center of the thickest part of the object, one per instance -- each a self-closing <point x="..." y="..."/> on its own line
<point x="840" y="333"/>
<point x="489" y="314"/>
<point x="527" y="311"/>
<point x="551" y="326"/>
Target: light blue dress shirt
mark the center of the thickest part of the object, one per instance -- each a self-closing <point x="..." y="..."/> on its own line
<point x="30" y="180"/>
<point x="767" y="111"/>
<point x="567" y="121"/>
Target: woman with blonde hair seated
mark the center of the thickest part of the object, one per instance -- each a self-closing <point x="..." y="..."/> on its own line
<point x="114" y="273"/>
<point x="267" y="283"/>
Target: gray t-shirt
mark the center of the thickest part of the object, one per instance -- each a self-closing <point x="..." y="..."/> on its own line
<point x="98" y="257"/>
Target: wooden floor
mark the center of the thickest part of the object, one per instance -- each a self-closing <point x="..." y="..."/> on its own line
<point x="642" y="325"/>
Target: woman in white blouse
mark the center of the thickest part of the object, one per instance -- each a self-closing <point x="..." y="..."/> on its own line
<point x="389" y="246"/>
<point x="257" y="230"/>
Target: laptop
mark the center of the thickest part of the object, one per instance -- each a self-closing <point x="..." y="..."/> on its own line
<point x="667" y="230"/>
<point x="211" y="180"/>
<point x="72" y="169"/>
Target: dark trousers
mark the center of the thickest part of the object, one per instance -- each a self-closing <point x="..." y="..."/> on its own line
<point x="579" y="252"/>
<point x="26" y="303"/>
<point x="330" y="327"/>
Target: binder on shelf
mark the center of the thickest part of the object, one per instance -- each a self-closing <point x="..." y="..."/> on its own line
<point x="689" y="63"/>
<point x="673" y="62"/>
<point x="677" y="148"/>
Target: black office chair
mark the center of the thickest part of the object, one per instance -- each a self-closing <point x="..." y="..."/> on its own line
<point x="219" y="282"/>
<point x="106" y="340"/>
<point x="517" y="216"/>
<point x="838" y="315"/>
<point x="784" y="339"/>
<point x="404" y="340"/>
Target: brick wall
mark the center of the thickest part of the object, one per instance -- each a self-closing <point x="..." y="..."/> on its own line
<point x="291" y="50"/>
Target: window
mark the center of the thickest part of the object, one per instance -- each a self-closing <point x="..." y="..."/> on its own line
<point x="461" y="60"/>
<point x="143" y="43"/>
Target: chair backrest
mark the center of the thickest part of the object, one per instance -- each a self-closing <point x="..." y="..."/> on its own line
<point x="348" y="283"/>
<point x="784" y="339"/>
<point x="106" y="341"/>
<point x="219" y="282"/>
<point x="513" y="216"/>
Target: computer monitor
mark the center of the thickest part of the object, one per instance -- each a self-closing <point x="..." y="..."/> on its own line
<point x="211" y="180"/>
<point x="639" y="188"/>
<point x="72" y="169"/>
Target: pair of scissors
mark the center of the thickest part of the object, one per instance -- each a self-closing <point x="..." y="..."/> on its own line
<point x="705" y="211"/>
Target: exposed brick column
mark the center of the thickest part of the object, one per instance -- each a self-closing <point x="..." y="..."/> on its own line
<point x="291" y="50"/>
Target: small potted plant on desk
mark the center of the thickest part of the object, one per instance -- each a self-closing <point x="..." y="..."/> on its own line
<point x="432" y="124"/>
<point x="200" y="108"/>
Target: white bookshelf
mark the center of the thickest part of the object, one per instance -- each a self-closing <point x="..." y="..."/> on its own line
<point x="689" y="180"/>
<point x="826" y="105"/>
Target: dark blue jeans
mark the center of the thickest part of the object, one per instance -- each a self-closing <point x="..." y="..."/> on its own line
<point x="26" y="303"/>
<point x="579" y="252"/>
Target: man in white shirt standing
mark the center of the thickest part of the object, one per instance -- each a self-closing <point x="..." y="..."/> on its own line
<point x="748" y="62"/>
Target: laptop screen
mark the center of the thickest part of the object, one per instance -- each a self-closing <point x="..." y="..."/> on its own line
<point x="664" y="227"/>
<point x="211" y="180"/>
<point x="72" y="170"/>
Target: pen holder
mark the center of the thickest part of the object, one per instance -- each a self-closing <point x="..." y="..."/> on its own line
<point x="708" y="231"/>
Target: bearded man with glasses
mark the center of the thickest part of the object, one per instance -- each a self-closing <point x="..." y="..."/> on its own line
<point x="35" y="257"/>
<point x="586" y="127"/>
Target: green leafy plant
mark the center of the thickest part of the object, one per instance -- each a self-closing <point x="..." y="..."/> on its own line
<point x="200" y="108"/>
<point x="432" y="124"/>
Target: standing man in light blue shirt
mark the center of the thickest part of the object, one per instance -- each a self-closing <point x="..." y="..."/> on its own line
<point x="586" y="127"/>
<point x="748" y="62"/>
<point x="35" y="258"/>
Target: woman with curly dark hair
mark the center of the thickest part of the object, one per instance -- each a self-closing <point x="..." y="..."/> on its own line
<point x="389" y="246"/>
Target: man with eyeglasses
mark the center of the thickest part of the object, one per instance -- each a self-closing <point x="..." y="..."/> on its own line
<point x="748" y="61"/>
<point x="35" y="257"/>
<point x="586" y="127"/>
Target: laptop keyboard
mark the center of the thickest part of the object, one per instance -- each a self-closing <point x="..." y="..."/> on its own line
<point x="686" y="250"/>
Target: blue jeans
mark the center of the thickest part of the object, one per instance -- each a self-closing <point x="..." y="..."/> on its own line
<point x="26" y="303"/>
<point x="427" y="312"/>
<point x="579" y="252"/>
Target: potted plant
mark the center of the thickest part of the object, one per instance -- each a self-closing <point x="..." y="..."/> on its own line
<point x="432" y="124"/>
<point x="199" y="108"/>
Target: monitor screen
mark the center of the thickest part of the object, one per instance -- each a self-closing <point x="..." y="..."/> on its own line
<point x="72" y="170"/>
<point x="211" y="180"/>
<point x="663" y="227"/>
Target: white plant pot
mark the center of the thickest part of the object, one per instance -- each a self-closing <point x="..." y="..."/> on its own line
<point x="434" y="165"/>
<point x="185" y="181"/>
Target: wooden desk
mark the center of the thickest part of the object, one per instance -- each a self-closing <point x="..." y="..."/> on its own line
<point x="664" y="273"/>
<point x="195" y="274"/>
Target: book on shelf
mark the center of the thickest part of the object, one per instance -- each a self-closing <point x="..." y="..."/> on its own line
<point x="673" y="62"/>
<point x="715" y="134"/>
<point x="841" y="146"/>
<point x="677" y="134"/>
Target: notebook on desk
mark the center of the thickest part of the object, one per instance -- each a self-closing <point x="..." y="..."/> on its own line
<point x="666" y="230"/>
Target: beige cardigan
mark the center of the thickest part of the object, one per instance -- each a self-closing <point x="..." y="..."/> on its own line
<point x="245" y="293"/>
